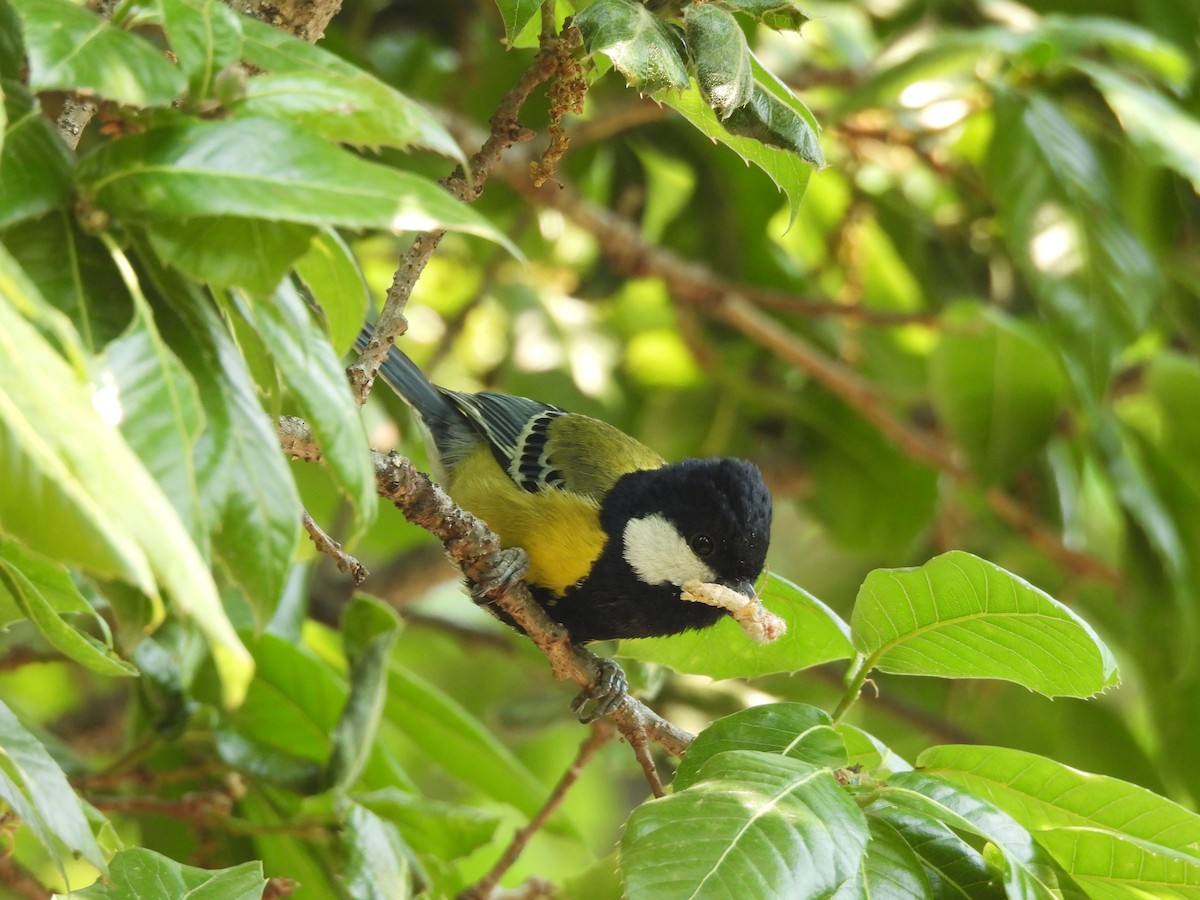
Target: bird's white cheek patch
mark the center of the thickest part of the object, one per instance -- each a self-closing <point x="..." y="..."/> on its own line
<point x="659" y="554"/>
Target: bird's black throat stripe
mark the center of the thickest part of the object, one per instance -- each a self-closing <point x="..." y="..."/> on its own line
<point x="531" y="464"/>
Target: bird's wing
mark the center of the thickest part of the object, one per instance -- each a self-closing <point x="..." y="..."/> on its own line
<point x="542" y="446"/>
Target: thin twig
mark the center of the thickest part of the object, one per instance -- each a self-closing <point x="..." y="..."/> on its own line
<point x="641" y="749"/>
<point x="600" y="735"/>
<point x="346" y="563"/>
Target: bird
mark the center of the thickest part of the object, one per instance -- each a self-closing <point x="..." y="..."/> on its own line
<point x="611" y="530"/>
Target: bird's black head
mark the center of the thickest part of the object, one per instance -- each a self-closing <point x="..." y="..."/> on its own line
<point x="703" y="519"/>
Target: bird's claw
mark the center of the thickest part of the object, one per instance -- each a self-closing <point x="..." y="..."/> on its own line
<point x="506" y="567"/>
<point x="607" y="693"/>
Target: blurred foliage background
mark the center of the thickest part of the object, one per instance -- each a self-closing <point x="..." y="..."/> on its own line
<point x="977" y="332"/>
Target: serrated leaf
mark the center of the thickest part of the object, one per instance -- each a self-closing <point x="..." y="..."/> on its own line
<point x="72" y="49"/>
<point x="137" y="873"/>
<point x="369" y="632"/>
<point x="62" y="636"/>
<point x="32" y="783"/>
<point x="959" y="616"/>
<point x="316" y="379"/>
<point x="264" y="169"/>
<point x="205" y="36"/>
<point x="755" y="824"/>
<point x="395" y="119"/>
<point x="782" y="15"/>
<point x="640" y="45"/>
<point x="377" y="864"/>
<point x="720" y="57"/>
<point x="31" y="148"/>
<point x="998" y="388"/>
<point x="795" y="730"/>
<point x="330" y="272"/>
<point x="82" y="496"/>
<point x="815" y="634"/>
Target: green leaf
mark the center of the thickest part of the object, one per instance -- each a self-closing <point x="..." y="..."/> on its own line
<point x="377" y="865"/>
<point x="516" y="15"/>
<point x="71" y="48"/>
<point x="247" y="492"/>
<point x="433" y="827"/>
<point x="890" y="868"/>
<point x="369" y="631"/>
<point x="997" y="387"/>
<point x="794" y="730"/>
<point x="457" y="742"/>
<point x="330" y="272"/>
<point x="1163" y="130"/>
<point x="51" y="580"/>
<point x="1028" y="874"/>
<point x="33" y="149"/>
<point x="317" y="380"/>
<point x="72" y="643"/>
<point x="137" y="873"/>
<point x="379" y="115"/>
<point x="264" y="169"/>
<point x="640" y="45"/>
<point x="12" y="49"/>
<point x="81" y="494"/>
<point x="959" y="616"/>
<point x="223" y="250"/>
<point x="720" y="57"/>
<point x="32" y="783"/>
<point x="75" y="273"/>
<point x="206" y="36"/>
<point x="1044" y="795"/>
<point x="869" y="753"/>
<point x="955" y="868"/>
<point x="782" y="15"/>
<point x="1107" y="865"/>
<point x="755" y="824"/>
<point x="815" y="634"/>
<point x="160" y="415"/>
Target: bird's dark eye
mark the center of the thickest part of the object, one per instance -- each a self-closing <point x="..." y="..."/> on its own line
<point x="701" y="544"/>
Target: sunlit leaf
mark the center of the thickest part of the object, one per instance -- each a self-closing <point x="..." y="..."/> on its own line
<point x="138" y="873"/>
<point x="377" y="863"/>
<point x="720" y="56"/>
<point x="641" y="46"/>
<point x="331" y="274"/>
<point x="205" y="36"/>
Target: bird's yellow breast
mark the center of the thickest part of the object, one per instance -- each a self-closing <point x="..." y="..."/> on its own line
<point x="560" y="530"/>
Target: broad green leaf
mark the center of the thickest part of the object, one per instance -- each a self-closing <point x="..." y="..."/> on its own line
<point x="998" y="388"/>
<point x="330" y="272"/>
<point x="32" y="783"/>
<point x="223" y="250"/>
<point x="954" y="867"/>
<point x="32" y="149"/>
<point x="71" y="48"/>
<point x="138" y="873"/>
<point x="317" y="380"/>
<point x="433" y="827"/>
<point x="206" y="36"/>
<point x="68" y="640"/>
<point x="814" y="635"/>
<point x="377" y="865"/>
<point x="51" y="579"/>
<point x="77" y="492"/>
<point x="1043" y="795"/>
<point x="246" y="489"/>
<point x="160" y="415"/>
<point x="369" y="632"/>
<point x="785" y="168"/>
<point x="12" y="49"/>
<point x="782" y="15"/>
<point x="959" y="616"/>
<point x="869" y="753"/>
<point x="790" y="729"/>
<point x="395" y="120"/>
<point x="720" y="57"/>
<point x="264" y="169"/>
<point x="516" y="15"/>
<point x="890" y="868"/>
<point x="641" y="46"/>
<point x="74" y="273"/>
<point x="1028" y="874"/>
<point x="1113" y="867"/>
<point x="1163" y="130"/>
<point x="754" y="825"/>
<point x="457" y="742"/>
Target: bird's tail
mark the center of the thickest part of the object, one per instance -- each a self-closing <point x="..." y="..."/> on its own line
<point x="439" y="416"/>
